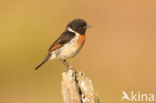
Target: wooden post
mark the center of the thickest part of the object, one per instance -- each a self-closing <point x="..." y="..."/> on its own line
<point x="77" y="88"/>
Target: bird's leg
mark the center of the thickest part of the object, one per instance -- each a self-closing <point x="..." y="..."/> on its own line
<point x="66" y="64"/>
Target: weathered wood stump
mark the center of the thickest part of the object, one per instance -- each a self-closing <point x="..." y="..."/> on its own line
<point x="77" y="88"/>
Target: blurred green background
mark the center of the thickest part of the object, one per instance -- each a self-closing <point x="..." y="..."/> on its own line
<point x="119" y="53"/>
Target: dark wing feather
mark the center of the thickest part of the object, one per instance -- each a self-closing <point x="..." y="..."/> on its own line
<point x="64" y="38"/>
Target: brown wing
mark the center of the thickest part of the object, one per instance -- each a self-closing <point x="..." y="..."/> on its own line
<point x="57" y="46"/>
<point x="64" y="38"/>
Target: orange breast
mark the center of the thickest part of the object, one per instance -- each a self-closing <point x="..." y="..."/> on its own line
<point x="81" y="40"/>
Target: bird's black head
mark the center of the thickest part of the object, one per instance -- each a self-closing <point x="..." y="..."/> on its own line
<point x="78" y="25"/>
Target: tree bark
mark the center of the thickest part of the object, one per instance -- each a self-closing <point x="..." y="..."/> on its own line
<point x="77" y="88"/>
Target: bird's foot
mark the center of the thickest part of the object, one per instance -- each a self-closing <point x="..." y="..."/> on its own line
<point x="70" y="68"/>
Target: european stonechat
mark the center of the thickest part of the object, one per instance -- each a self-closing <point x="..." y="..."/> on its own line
<point x="69" y="43"/>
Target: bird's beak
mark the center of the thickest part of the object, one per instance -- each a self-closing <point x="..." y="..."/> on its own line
<point x="88" y="26"/>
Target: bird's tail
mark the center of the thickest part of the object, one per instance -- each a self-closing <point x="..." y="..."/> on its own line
<point x="48" y="56"/>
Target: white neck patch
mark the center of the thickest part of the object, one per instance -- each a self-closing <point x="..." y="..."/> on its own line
<point x="71" y="30"/>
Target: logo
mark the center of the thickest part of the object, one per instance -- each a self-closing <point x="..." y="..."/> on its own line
<point x="137" y="96"/>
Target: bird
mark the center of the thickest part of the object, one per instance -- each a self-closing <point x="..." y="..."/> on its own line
<point x="68" y="44"/>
